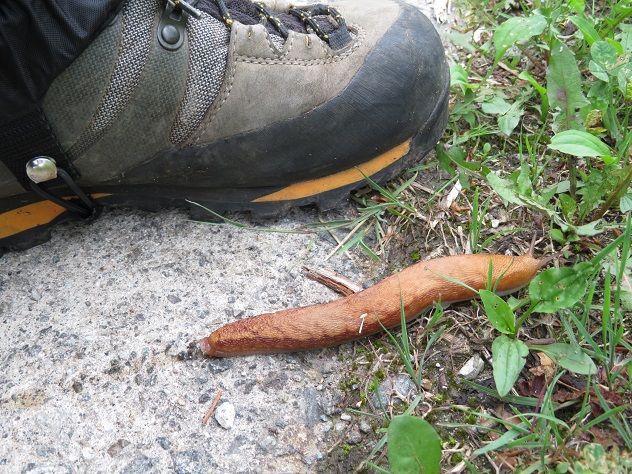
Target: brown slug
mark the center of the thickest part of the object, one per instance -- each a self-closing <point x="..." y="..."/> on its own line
<point x="343" y="320"/>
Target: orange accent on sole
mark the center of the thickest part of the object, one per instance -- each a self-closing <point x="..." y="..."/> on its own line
<point x="340" y="179"/>
<point x="32" y="215"/>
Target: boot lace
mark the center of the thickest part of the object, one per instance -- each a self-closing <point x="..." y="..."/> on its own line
<point x="322" y="20"/>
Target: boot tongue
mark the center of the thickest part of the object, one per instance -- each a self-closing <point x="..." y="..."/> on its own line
<point x="245" y="12"/>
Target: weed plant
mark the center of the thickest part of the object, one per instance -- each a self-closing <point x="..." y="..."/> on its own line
<point x="540" y="118"/>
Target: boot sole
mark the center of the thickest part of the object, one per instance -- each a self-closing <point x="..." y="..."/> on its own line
<point x="26" y="220"/>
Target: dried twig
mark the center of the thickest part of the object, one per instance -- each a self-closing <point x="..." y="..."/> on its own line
<point x="212" y="409"/>
<point x="333" y="280"/>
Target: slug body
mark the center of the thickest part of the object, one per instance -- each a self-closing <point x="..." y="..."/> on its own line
<point x="419" y="286"/>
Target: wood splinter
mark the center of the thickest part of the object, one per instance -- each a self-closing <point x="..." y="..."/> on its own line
<point x="212" y="409"/>
<point x="333" y="280"/>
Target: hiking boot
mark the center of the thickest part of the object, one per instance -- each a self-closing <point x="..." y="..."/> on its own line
<point x="233" y="105"/>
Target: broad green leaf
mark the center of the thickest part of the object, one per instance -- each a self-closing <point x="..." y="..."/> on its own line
<point x="557" y="235"/>
<point x="577" y="5"/>
<point x="503" y="188"/>
<point x="508" y="360"/>
<point x="458" y="155"/>
<point x="558" y="188"/>
<point x="626" y="300"/>
<point x="458" y="77"/>
<point x="498" y="312"/>
<point x="510" y="120"/>
<point x="528" y="77"/>
<point x="496" y="106"/>
<point x="605" y="54"/>
<point x="523" y="180"/>
<point x="463" y="40"/>
<point x="506" y="190"/>
<point x="596" y="185"/>
<point x="624" y="80"/>
<point x="559" y="288"/>
<point x="516" y="29"/>
<point x="568" y="206"/>
<point x="616" y="45"/>
<point x="564" y="87"/>
<point x="578" y="143"/>
<point x="585" y="26"/>
<point x="625" y="37"/>
<point x="540" y="89"/>
<point x="625" y="204"/>
<point x="588" y="230"/>
<point x="600" y="95"/>
<point x="569" y="357"/>
<point x="413" y="446"/>
<point x="598" y="71"/>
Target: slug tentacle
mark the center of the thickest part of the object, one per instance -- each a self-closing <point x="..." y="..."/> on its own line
<point x="367" y="312"/>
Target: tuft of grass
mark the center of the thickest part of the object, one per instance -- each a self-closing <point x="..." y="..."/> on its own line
<point x="379" y="208"/>
<point x="540" y="127"/>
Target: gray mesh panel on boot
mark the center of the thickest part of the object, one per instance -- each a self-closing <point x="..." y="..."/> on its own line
<point x="149" y="115"/>
<point x="138" y="31"/>
<point x="208" y="41"/>
<point x="9" y="186"/>
<point x="73" y="97"/>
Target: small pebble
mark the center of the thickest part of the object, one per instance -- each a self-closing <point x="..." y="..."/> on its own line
<point x="87" y="453"/>
<point x="173" y="299"/>
<point x="354" y="437"/>
<point x="205" y="397"/>
<point x="345" y="417"/>
<point x="201" y="379"/>
<point x="472" y="368"/>
<point x="365" y="427"/>
<point x="219" y="365"/>
<point x="163" y="442"/>
<point x="225" y="415"/>
<point x="35" y="295"/>
<point x="117" y="447"/>
<point x="267" y="443"/>
<point x="402" y="384"/>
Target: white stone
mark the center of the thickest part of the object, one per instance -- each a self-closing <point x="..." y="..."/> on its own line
<point x="87" y="453"/>
<point x="225" y="415"/>
<point x="472" y="367"/>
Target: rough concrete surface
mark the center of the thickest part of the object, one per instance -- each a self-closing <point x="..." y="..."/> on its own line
<point x="93" y="326"/>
